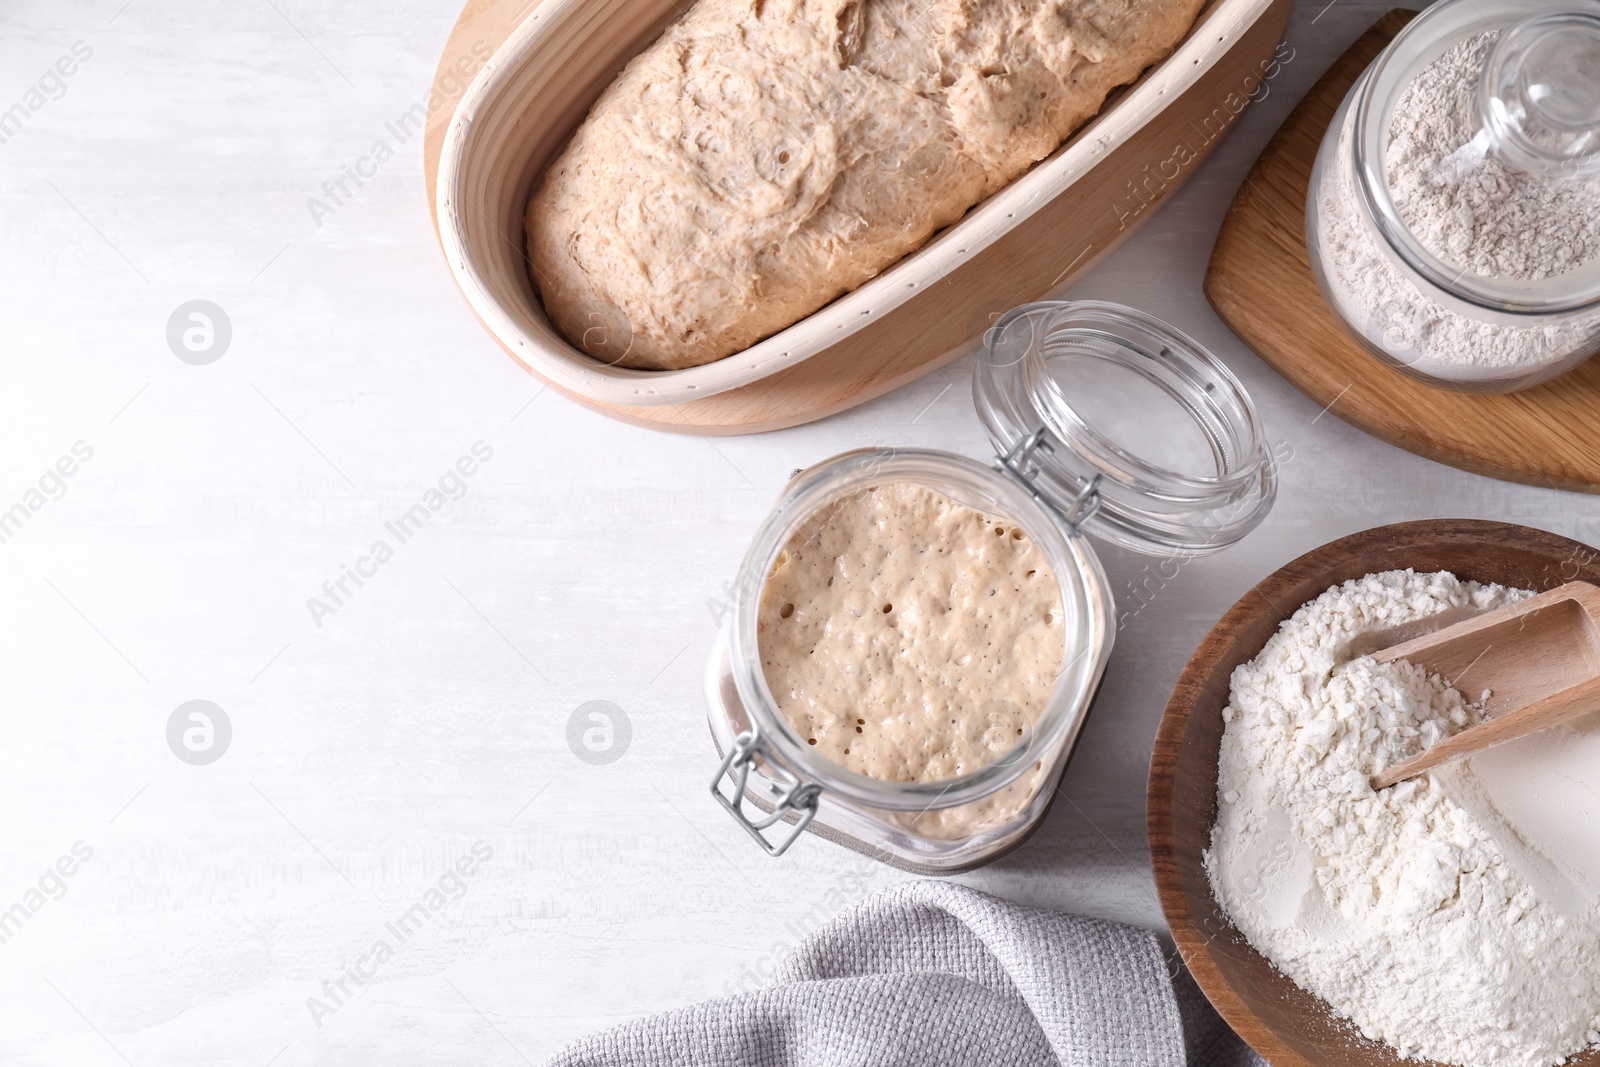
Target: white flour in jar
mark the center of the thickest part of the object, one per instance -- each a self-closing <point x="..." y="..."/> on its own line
<point x="1467" y="207"/>
<point x="1398" y="908"/>
<point x="1461" y="201"/>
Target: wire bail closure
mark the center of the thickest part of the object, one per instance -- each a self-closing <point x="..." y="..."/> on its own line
<point x="1021" y="463"/>
<point x="800" y="798"/>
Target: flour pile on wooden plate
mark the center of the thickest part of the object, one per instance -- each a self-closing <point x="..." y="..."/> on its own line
<point x="1396" y="908"/>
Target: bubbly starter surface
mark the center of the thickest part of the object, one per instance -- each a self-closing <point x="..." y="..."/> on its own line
<point x="909" y="637"/>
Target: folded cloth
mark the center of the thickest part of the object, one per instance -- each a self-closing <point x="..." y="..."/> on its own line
<point x="931" y="974"/>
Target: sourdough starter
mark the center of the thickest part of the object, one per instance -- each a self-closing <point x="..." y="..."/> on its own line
<point x="913" y="639"/>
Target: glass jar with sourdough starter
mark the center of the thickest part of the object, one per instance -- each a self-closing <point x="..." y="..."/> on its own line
<point x="1106" y="422"/>
<point x="1404" y="249"/>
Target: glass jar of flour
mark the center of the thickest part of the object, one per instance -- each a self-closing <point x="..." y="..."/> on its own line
<point x="1454" y="211"/>
<point x="915" y="637"/>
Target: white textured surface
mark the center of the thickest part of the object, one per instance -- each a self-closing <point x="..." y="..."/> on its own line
<point x="370" y="753"/>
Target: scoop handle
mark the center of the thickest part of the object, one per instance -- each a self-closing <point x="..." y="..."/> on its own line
<point x="1570" y="703"/>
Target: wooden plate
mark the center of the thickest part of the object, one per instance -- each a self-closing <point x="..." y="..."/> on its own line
<point x="1030" y="239"/>
<point x="1282" y="1022"/>
<point x="1260" y="282"/>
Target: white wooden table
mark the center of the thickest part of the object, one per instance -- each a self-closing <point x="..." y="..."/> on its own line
<point x="423" y="713"/>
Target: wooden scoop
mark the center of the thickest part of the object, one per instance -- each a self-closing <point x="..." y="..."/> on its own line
<point x="1539" y="659"/>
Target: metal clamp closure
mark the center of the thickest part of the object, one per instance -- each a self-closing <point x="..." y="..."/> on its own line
<point x="800" y="798"/>
<point x="1022" y="464"/>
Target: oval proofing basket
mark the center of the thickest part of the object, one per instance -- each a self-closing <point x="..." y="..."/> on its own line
<point x="1029" y="239"/>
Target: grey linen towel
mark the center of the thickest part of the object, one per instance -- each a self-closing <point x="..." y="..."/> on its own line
<point x="932" y="974"/>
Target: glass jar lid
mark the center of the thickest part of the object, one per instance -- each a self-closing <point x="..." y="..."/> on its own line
<point x="1527" y="118"/>
<point x="1539" y="94"/>
<point x="1129" y="429"/>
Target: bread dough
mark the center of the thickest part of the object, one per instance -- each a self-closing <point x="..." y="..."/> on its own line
<point x="765" y="156"/>
<point x="913" y="639"/>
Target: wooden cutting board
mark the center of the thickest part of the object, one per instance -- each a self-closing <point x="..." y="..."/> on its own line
<point x="1260" y="282"/>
